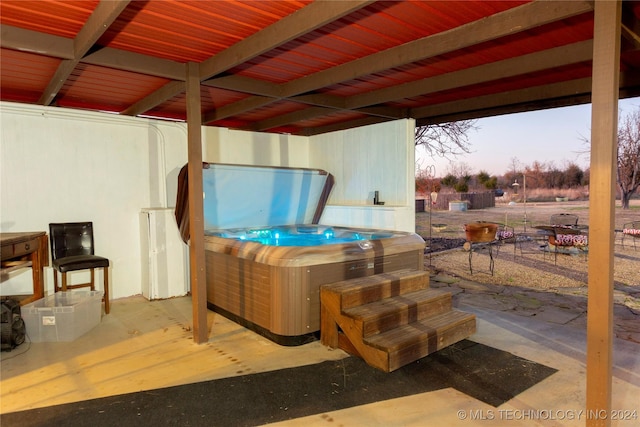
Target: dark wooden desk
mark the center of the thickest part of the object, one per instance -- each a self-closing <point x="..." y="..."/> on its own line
<point x="28" y="249"/>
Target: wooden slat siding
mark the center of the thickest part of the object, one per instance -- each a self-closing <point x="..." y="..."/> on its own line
<point x="604" y="130"/>
<point x="360" y="291"/>
<point x="408" y="343"/>
<point x="285" y="300"/>
<point x="404" y="261"/>
<point x="291" y="302"/>
<point x="240" y="287"/>
<point x="390" y="313"/>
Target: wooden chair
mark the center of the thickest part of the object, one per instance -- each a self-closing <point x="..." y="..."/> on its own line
<point x="72" y="250"/>
<point x="631" y="230"/>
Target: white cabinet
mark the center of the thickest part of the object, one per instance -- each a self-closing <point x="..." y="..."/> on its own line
<point x="165" y="272"/>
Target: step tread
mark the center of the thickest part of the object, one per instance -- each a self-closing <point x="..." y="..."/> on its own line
<point x="373" y="310"/>
<point x="364" y="290"/>
<point x="408" y="335"/>
<point x="359" y="283"/>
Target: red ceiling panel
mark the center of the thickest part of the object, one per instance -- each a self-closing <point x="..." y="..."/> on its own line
<point x="150" y="39"/>
<point x="88" y="84"/>
<point x="183" y="31"/>
<point x="552" y="35"/>
<point x="25" y="75"/>
<point x="369" y="31"/>
<point x="59" y="18"/>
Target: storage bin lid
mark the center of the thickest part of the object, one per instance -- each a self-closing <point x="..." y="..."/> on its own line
<point x="244" y="196"/>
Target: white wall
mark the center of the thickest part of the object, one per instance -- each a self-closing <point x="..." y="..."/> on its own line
<point x="61" y="165"/>
<point x="221" y="145"/>
<point x="378" y="157"/>
<point x="71" y="165"/>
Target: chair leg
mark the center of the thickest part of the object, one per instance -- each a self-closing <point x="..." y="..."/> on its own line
<point x="64" y="282"/>
<point x="93" y="279"/>
<point x="106" y="289"/>
<point x="55" y="281"/>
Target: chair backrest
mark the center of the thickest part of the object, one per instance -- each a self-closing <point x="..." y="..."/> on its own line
<point x="70" y="239"/>
<point x="564" y="219"/>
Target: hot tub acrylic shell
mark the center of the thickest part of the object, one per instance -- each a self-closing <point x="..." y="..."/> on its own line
<point x="275" y="290"/>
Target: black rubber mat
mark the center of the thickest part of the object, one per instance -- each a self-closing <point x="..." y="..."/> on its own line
<point x="484" y="373"/>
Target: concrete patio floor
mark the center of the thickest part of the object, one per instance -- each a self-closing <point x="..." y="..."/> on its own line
<point x="146" y="345"/>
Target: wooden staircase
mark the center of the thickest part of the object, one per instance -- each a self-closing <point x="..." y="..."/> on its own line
<point x="390" y="319"/>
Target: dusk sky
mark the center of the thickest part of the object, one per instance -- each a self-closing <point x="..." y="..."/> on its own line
<point x="553" y="135"/>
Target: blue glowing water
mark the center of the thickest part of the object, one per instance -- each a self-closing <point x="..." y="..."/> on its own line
<point x="299" y="235"/>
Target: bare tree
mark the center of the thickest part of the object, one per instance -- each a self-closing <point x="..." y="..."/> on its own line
<point x="445" y="139"/>
<point x="628" y="162"/>
<point x="459" y="169"/>
<point x="628" y="171"/>
<point x="514" y="171"/>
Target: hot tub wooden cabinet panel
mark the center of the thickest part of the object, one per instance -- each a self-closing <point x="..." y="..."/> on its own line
<point x="275" y="290"/>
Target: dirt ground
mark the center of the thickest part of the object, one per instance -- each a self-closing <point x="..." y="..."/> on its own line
<point x="514" y="216"/>
<point x="527" y="264"/>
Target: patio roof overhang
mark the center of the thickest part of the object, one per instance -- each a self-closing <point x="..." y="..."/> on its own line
<point x="304" y="67"/>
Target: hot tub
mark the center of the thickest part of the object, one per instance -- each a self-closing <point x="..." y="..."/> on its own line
<point x="267" y="276"/>
<point x="272" y="284"/>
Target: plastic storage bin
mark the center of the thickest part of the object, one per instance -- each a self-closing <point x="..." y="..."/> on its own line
<point x="63" y="316"/>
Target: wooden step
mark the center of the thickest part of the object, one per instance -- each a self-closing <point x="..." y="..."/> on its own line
<point x="364" y="290"/>
<point x="400" y="310"/>
<point x="408" y="343"/>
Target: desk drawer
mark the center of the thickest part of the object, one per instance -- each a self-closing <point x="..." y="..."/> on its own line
<point x="19" y="249"/>
<point x="7" y="252"/>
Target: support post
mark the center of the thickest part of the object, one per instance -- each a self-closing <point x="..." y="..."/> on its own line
<point x="196" y="214"/>
<point x="604" y="130"/>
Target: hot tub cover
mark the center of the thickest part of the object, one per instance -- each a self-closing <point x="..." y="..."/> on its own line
<point x="242" y="196"/>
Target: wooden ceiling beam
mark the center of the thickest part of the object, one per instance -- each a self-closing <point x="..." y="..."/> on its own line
<point x="630" y="27"/>
<point x="137" y="63"/>
<point x="245" y="85"/>
<point x="247" y="104"/>
<point x="35" y="42"/>
<point x="350" y="124"/>
<point x="562" y="94"/>
<point x="309" y="18"/>
<point x="631" y="36"/>
<point x="366" y="103"/>
<point x="99" y="21"/>
<point x="502" y="24"/>
<point x="293" y="117"/>
<point x="509" y="22"/>
<point x="159" y="96"/>
<point x="521" y="65"/>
